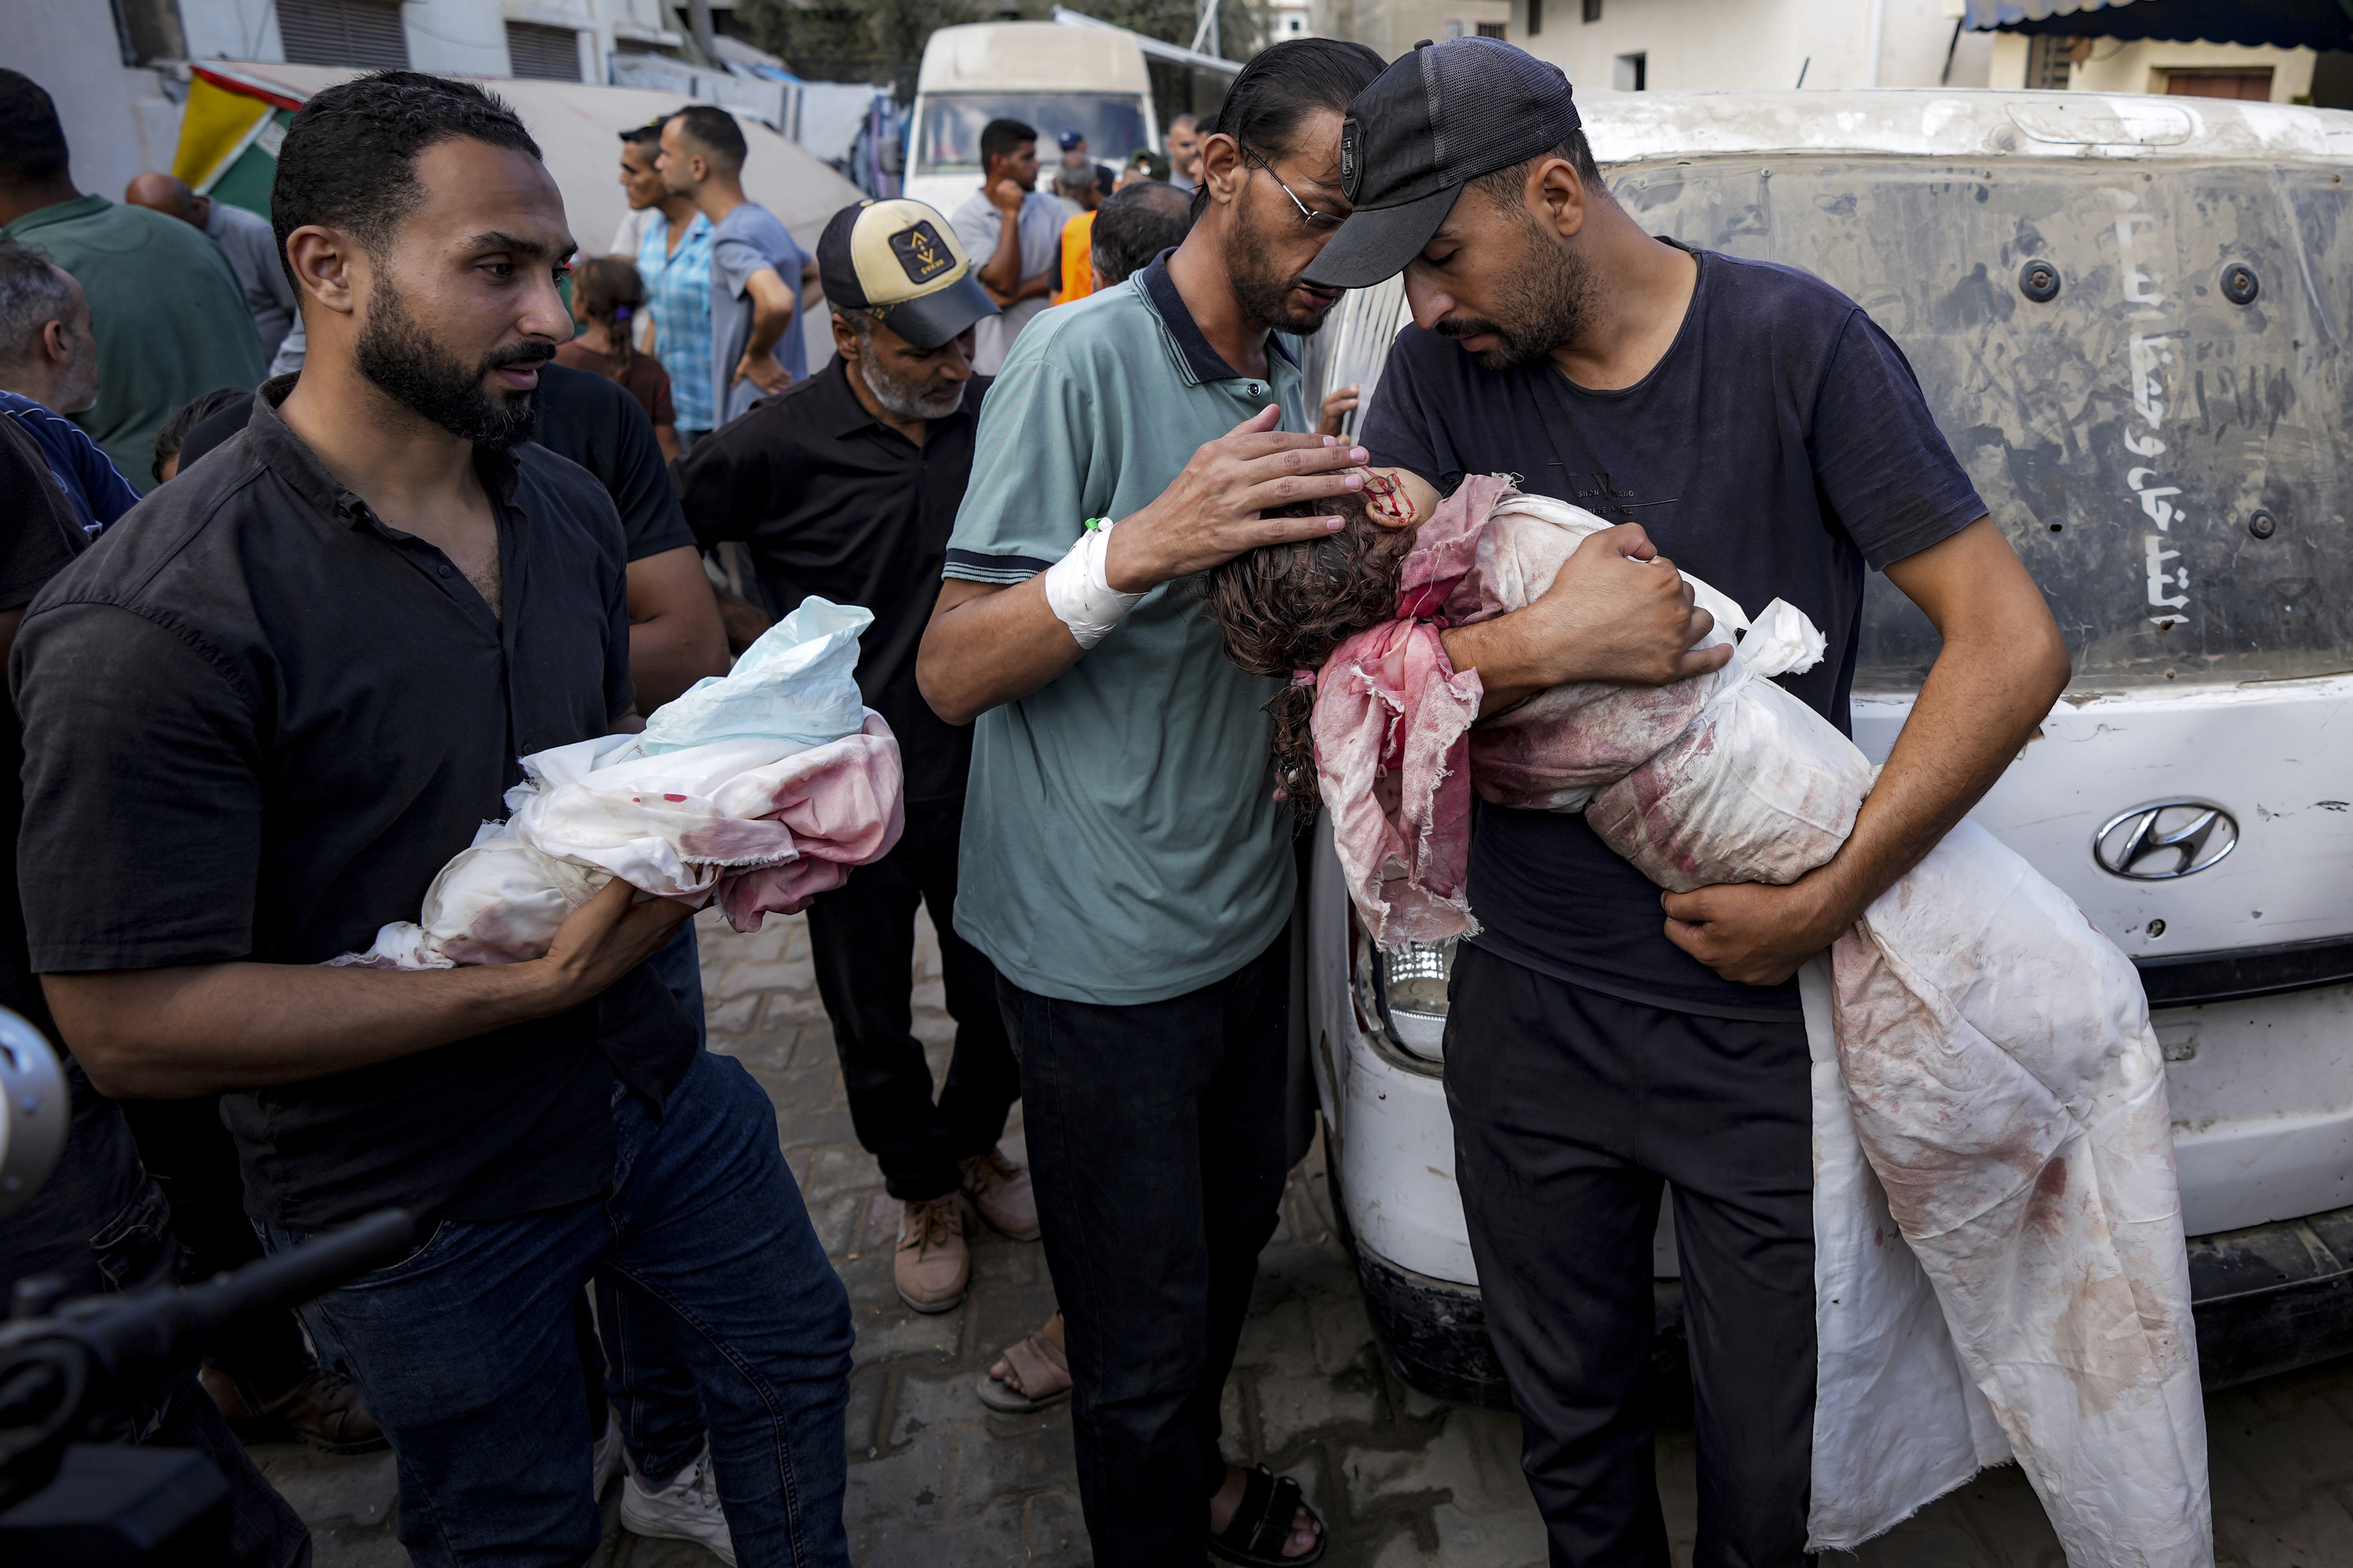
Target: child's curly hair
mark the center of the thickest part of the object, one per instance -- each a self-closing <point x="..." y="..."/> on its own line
<point x="1283" y="609"/>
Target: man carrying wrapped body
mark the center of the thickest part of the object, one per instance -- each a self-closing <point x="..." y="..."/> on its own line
<point x="1903" y="1099"/>
<point x="1994" y="1053"/>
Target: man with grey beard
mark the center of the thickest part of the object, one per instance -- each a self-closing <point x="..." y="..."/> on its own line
<point x="846" y="486"/>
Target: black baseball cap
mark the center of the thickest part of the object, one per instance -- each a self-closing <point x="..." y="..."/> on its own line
<point x="901" y="260"/>
<point x="1439" y="118"/>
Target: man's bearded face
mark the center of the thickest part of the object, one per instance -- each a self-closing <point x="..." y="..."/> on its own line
<point x="1265" y="281"/>
<point x="1541" y="295"/>
<point x="402" y="358"/>
<point x="933" y="395"/>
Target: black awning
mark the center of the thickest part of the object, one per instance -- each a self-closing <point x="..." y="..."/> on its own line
<point x="2281" y="23"/>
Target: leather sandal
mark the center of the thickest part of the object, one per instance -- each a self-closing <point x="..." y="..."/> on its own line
<point x="1262" y="1526"/>
<point x="1037" y="1362"/>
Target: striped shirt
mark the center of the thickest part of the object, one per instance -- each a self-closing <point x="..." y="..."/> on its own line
<point x="94" y="486"/>
<point x="677" y="292"/>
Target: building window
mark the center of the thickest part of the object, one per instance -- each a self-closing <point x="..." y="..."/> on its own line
<point x="1494" y="30"/>
<point x="1630" y="73"/>
<point x="1535" y="18"/>
<point x="543" y="54"/>
<point x="1593" y="10"/>
<point x="343" y="33"/>
<point x="2047" y="57"/>
<point x="2248" y="84"/>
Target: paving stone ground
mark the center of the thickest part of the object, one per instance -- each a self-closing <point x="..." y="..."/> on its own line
<point x="1402" y="1480"/>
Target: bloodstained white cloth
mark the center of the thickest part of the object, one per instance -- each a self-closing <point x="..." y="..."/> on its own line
<point x="760" y="789"/>
<point x="1988" y="1083"/>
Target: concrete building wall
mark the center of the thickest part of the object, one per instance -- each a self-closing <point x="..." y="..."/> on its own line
<point x="231" y="30"/>
<point x="1720" y="45"/>
<point x="1391" y="27"/>
<point x="2117" y="65"/>
<point x="72" y="51"/>
<point x="2143" y="66"/>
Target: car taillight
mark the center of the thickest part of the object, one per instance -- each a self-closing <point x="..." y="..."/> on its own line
<point x="1410" y="990"/>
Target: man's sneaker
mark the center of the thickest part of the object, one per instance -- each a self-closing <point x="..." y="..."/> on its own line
<point x="933" y="1265"/>
<point x="1000" y="1191"/>
<point x="686" y="1509"/>
<point x="605" y="1457"/>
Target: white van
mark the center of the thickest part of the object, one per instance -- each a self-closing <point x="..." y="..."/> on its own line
<point x="1048" y="75"/>
<point x="2134" y="320"/>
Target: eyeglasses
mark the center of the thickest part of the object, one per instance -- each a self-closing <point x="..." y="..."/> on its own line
<point x="1309" y="215"/>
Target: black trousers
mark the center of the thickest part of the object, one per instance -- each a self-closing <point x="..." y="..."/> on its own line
<point x="862" y="936"/>
<point x="1156" y="1148"/>
<point x="99" y="1224"/>
<point x="1571" y="1109"/>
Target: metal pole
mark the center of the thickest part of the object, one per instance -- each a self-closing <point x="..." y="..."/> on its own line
<point x="698" y="22"/>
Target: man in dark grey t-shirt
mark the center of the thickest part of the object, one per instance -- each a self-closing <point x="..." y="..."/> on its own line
<point x="1761" y="430"/>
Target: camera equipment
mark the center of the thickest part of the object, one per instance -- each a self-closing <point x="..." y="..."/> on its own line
<point x="35" y="1111"/>
<point x="66" y="1502"/>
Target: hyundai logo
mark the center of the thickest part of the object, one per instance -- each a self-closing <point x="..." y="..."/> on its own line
<point x="2169" y="839"/>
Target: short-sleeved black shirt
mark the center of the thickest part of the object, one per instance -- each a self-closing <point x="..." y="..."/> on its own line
<point x="1780" y="444"/>
<point x="587" y="417"/>
<point x="834" y="501"/>
<point x="258" y="722"/>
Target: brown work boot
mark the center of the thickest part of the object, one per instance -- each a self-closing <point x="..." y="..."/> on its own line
<point x="1000" y="1191"/>
<point x="933" y="1265"/>
<point x="323" y="1410"/>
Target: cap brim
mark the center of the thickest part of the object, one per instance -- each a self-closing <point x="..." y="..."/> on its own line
<point x="1376" y="243"/>
<point x="930" y="320"/>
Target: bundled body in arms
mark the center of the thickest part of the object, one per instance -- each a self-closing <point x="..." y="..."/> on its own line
<point x="757" y="790"/>
<point x="1993" y="1050"/>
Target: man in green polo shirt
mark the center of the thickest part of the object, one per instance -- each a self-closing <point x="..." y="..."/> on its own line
<point x="1124" y="863"/>
<point x="165" y="306"/>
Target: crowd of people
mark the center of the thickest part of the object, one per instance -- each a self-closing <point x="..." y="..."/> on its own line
<point x="259" y="706"/>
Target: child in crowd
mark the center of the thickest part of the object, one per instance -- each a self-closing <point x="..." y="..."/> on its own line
<point x="608" y="298"/>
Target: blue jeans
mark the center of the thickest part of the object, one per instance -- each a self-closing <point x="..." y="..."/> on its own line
<point x="648" y="1375"/>
<point x="464" y="1350"/>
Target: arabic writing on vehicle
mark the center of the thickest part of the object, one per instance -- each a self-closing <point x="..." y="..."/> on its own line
<point x="2147" y="355"/>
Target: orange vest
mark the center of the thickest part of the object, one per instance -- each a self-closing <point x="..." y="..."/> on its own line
<point x="1078" y="259"/>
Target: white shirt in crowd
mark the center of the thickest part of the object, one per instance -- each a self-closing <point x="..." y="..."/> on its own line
<point x="977" y="225"/>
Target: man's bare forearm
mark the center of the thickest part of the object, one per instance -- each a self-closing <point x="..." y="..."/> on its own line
<point x="1983" y="698"/>
<point x="675" y="635"/>
<point x="1496" y="649"/>
<point x="987" y="646"/>
<point x="1003" y="272"/>
<point x="768" y="324"/>
<point x="174" y="1034"/>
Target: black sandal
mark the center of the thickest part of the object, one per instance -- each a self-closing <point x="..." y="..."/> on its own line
<point x="1262" y="1524"/>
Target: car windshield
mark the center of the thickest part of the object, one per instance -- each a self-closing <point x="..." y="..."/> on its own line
<point x="948" y="141"/>
<point x="2163" y="438"/>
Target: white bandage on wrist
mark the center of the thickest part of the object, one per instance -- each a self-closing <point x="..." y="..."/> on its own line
<point x="1079" y="593"/>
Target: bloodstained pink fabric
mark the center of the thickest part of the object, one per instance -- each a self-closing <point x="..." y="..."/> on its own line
<point x="842" y="809"/>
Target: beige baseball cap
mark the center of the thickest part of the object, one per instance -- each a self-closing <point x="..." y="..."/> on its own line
<point x="901" y="260"/>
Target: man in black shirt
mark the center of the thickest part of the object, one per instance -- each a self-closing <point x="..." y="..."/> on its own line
<point x="97" y="1224"/>
<point x="258" y="720"/>
<point x="846" y="486"/>
<point x="1759" y="427"/>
